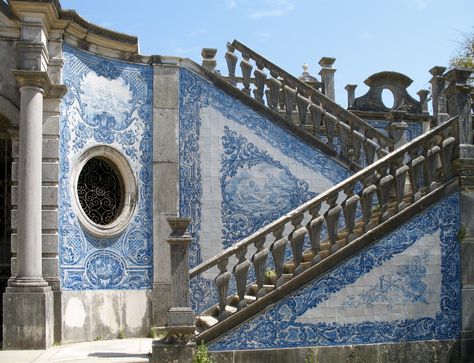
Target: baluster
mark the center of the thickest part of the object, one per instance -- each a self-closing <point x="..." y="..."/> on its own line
<point x="357" y="139"/>
<point x="400" y="181"/>
<point x="414" y="174"/>
<point x="222" y="284"/>
<point x="290" y="96"/>
<point x="349" y="207"/>
<point x="278" y="248"/>
<point x="268" y="97"/>
<point x="259" y="260"/>
<point x="241" y="270"/>
<point x="297" y="242"/>
<point x="367" y="203"/>
<point x="314" y="228"/>
<point x="316" y="118"/>
<point x="332" y="218"/>
<point x="330" y="121"/>
<point x="369" y="148"/>
<point x="246" y="68"/>
<point x="281" y="99"/>
<point x="274" y="86"/>
<point x="383" y="193"/>
<point x="447" y="147"/>
<point x="345" y="132"/>
<point x="302" y="103"/>
<point x="431" y="176"/>
<point x="260" y="80"/>
<point x="231" y="60"/>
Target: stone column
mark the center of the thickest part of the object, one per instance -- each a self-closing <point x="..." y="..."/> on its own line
<point x="350" y="88"/>
<point x="423" y="94"/>
<point x="327" y="76"/>
<point x="437" y="94"/>
<point x="459" y="104"/>
<point x="178" y="345"/>
<point x="28" y="301"/>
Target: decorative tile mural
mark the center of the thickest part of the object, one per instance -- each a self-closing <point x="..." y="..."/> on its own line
<point x="238" y="171"/>
<point x="405" y="287"/>
<point x="108" y="102"/>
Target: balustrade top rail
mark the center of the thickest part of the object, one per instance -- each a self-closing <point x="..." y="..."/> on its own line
<point x="328" y="103"/>
<point x="331" y="194"/>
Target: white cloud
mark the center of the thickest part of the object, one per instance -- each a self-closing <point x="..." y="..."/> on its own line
<point x="197" y="33"/>
<point x="272" y="8"/>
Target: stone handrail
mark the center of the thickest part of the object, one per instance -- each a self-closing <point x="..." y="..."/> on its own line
<point x="280" y="91"/>
<point x="369" y="197"/>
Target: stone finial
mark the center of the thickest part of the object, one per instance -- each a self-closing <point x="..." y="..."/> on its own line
<point x="308" y="78"/>
<point x="208" y="58"/>
<point x="423" y="94"/>
<point x="350" y="88"/>
<point x="327" y="76"/>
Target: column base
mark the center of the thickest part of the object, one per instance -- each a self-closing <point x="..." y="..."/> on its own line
<point x="180" y="317"/>
<point x="28" y="318"/>
<point x="174" y="348"/>
<point x="22" y="282"/>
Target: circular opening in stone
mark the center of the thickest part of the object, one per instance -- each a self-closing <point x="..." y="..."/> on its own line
<point x="104" y="191"/>
<point x="387" y="98"/>
<point x="100" y="191"/>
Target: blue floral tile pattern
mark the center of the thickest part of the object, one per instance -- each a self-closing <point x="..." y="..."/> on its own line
<point x="249" y="151"/>
<point x="280" y="327"/>
<point x="108" y="102"/>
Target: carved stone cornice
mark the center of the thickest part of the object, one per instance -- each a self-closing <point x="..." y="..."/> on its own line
<point x="41" y="80"/>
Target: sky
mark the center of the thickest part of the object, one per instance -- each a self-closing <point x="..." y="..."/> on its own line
<point x="365" y="36"/>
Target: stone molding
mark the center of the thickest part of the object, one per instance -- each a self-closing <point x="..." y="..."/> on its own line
<point x="40" y="80"/>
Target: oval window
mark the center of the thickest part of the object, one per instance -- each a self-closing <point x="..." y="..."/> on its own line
<point x="100" y="191"/>
<point x="104" y="191"/>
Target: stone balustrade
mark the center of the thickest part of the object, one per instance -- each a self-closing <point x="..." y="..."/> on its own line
<point x="285" y="248"/>
<point x="271" y="86"/>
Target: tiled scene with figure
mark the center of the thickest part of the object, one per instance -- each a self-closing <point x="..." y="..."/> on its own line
<point x="225" y="205"/>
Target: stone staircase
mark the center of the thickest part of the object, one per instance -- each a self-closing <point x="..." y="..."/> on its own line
<point x="343" y="134"/>
<point x="295" y="249"/>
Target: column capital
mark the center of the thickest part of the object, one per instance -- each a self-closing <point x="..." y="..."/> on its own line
<point x="457" y="80"/>
<point x="41" y="80"/>
<point x="326" y="62"/>
<point x="437" y="71"/>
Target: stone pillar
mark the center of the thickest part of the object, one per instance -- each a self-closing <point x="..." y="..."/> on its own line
<point x="423" y="94"/>
<point x="178" y="345"/>
<point x="437" y="94"/>
<point x="327" y="76"/>
<point x="28" y="301"/>
<point x="459" y="103"/>
<point x="165" y="178"/>
<point x="208" y="60"/>
<point x="350" y="88"/>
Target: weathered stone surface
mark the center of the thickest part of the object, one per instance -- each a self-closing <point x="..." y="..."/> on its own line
<point x="431" y="351"/>
<point x="28" y="318"/>
<point x="168" y="353"/>
<point x="165" y="135"/>
<point x="87" y="315"/>
<point x="165" y="86"/>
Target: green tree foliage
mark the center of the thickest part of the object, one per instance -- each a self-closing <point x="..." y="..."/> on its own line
<point x="465" y="53"/>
